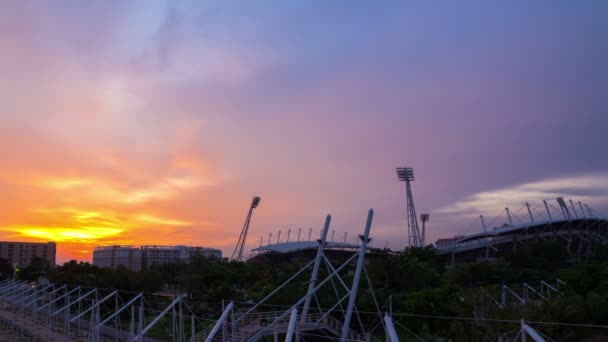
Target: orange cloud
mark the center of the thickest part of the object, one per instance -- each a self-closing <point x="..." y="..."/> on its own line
<point x="102" y="148"/>
<point x="82" y="230"/>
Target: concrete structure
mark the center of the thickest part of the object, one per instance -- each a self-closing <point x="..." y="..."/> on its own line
<point x="113" y="256"/>
<point x="447" y="242"/>
<point x="21" y="253"/>
<point x="144" y="257"/>
<point x="187" y="252"/>
<point x="159" y="255"/>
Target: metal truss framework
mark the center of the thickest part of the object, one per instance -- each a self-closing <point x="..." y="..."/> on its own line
<point x="528" y="331"/>
<point x="502" y="296"/>
<point x="300" y="319"/>
<point x="240" y="245"/>
<point x="415" y="239"/>
<point x="56" y="312"/>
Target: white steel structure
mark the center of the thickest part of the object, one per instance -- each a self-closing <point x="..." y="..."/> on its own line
<point x="304" y="317"/>
<point x="55" y="312"/>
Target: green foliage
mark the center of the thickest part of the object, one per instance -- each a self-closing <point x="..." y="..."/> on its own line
<point x="37" y="267"/>
<point x="6" y="269"/>
<point x="414" y="281"/>
<point x="540" y="255"/>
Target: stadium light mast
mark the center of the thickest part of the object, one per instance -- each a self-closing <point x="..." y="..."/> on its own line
<point x="240" y="245"/>
<point x="573" y="209"/>
<point x="564" y="207"/>
<point x="424" y="218"/>
<point x="406" y="174"/>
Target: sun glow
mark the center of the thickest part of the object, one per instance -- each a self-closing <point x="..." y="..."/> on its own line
<point x="77" y="230"/>
<point x="62" y="234"/>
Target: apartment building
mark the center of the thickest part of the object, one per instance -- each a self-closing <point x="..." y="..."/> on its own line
<point x="144" y="257"/>
<point x="21" y="253"/>
<point x="113" y="256"/>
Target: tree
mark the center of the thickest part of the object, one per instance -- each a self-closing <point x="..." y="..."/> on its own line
<point x="36" y="268"/>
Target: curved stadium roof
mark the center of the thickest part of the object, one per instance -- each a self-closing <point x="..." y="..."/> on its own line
<point x="287" y="247"/>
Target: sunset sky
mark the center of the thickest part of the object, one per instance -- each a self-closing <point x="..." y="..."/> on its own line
<point x="152" y="122"/>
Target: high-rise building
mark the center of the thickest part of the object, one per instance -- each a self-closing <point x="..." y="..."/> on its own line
<point x="189" y="252"/>
<point x="113" y="256"/>
<point x="160" y="255"/>
<point x="22" y="253"/>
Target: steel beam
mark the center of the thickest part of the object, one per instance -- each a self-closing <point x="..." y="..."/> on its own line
<point x="16" y="289"/>
<point x="299" y="302"/>
<point x="573" y="209"/>
<point x="275" y="291"/>
<point x="58" y="298"/>
<point x="22" y="293"/>
<point x="220" y="322"/>
<point x="509" y="216"/>
<point x="315" y="270"/>
<point x="390" y="329"/>
<point x="120" y="310"/>
<point x="547" y="208"/>
<point x="141" y="334"/>
<point x="18" y="285"/>
<point x="50" y="293"/>
<point x="35" y="293"/>
<point x="74" y="302"/>
<point x="526" y="329"/>
<point x="534" y="290"/>
<point x="357" y="277"/>
<point x="94" y="305"/>
<point x="292" y="325"/>
<point x="523" y="301"/>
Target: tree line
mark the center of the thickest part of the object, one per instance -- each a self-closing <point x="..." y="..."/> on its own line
<point x="414" y="284"/>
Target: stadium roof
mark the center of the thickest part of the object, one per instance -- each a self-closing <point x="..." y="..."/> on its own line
<point x="287" y="247"/>
<point x="533" y="229"/>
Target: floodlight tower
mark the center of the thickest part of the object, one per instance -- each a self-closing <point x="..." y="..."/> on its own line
<point x="240" y="245"/>
<point x="564" y="207"/>
<point x="406" y="174"/>
<point x="424" y="218"/>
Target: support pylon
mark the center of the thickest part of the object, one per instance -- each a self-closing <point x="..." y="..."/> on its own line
<point x="240" y="245"/>
<point x="406" y="174"/>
